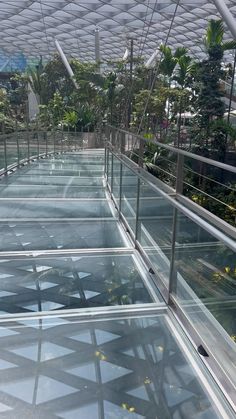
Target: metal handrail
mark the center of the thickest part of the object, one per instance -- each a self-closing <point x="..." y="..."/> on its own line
<point x="166" y="282"/>
<point x="22" y="162"/>
<point x="179" y="151"/>
<point x="219" y="235"/>
<point x="133" y="146"/>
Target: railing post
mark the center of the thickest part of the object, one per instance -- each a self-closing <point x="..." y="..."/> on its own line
<point x="113" y="137"/>
<point x="5" y="146"/>
<point x="180" y="174"/>
<point x="121" y="181"/>
<point x="122" y="142"/>
<point x="28" y="140"/>
<point x="75" y="139"/>
<point x="54" y="139"/>
<point x="46" y="140"/>
<point x="110" y="134"/>
<point x="141" y="152"/>
<point x="107" y="169"/>
<point x="106" y="133"/>
<point x="17" y="144"/>
<point x="173" y="274"/>
<point x="5" y="153"/>
<point x="112" y="169"/>
<point x="62" y="137"/>
<point x="38" y="138"/>
<point x="137" y="210"/>
<point x="105" y="161"/>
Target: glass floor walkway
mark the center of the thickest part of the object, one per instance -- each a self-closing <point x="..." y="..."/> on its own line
<point x="84" y="331"/>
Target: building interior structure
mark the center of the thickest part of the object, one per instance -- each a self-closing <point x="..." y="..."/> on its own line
<point x="117" y="209"/>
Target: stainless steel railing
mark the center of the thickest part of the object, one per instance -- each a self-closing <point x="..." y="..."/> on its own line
<point x="190" y="255"/>
<point x="20" y="147"/>
<point x="208" y="183"/>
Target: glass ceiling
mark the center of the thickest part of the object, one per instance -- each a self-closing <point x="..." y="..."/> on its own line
<point x="31" y="26"/>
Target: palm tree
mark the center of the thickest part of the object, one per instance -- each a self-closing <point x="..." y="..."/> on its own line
<point x="112" y="83"/>
<point x="213" y="39"/>
<point x="209" y="103"/>
<point x="170" y="60"/>
<point x="168" y="64"/>
<point x="38" y="83"/>
<point x="182" y="78"/>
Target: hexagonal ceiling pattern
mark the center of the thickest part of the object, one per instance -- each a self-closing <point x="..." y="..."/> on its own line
<point x="31" y="26"/>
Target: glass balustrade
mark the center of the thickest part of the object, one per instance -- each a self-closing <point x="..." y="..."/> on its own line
<point x="64" y="249"/>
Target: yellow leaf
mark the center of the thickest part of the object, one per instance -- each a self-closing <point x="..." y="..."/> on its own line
<point x="131" y="409"/>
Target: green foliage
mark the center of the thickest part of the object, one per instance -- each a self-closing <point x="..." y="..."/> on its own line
<point x="6" y="123"/>
<point x="224" y="204"/>
<point x="155" y="111"/>
<point x="86" y="118"/>
<point x="170" y="60"/>
<point x="4" y="102"/>
<point x="70" y="119"/>
<point x="111" y="84"/>
<point x="183" y="72"/>
<point x="214" y="37"/>
<point x="56" y="78"/>
<point x="53" y="113"/>
<point x="220" y="131"/>
<point x="159" y="162"/>
<point x="39" y="83"/>
<point x="209" y="125"/>
<point x="19" y="95"/>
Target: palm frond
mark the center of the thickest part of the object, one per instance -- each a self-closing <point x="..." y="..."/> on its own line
<point x="214" y="34"/>
<point x="228" y="45"/>
<point x="168" y="61"/>
<point x="193" y="67"/>
<point x="182" y="72"/>
<point x="180" y="51"/>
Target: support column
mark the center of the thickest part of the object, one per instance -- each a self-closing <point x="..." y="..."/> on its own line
<point x="66" y="63"/>
<point x="226" y="16"/>
<point x="97" y="48"/>
<point x="131" y="81"/>
<point x="232" y="88"/>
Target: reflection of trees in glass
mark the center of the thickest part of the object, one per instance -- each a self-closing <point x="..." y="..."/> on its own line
<point x="124" y="285"/>
<point x="210" y="271"/>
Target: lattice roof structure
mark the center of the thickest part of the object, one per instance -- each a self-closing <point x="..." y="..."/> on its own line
<point x="31" y="26"/>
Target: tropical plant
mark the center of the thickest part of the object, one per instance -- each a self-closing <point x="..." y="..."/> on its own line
<point x="182" y="77"/>
<point x="111" y="92"/>
<point x="4" y="102"/>
<point x="38" y="82"/>
<point x="53" y="113"/>
<point x="170" y="60"/>
<point x="209" y="105"/>
<point x="213" y="39"/>
<point x="155" y="107"/>
<point x="167" y="66"/>
<point x="70" y="119"/>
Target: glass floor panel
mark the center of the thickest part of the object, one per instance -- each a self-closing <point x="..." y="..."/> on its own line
<point x="72" y="282"/>
<point x="25" y="236"/>
<point x="127" y="367"/>
<point x="10" y="209"/>
<point x="76" y="367"/>
<point x="52" y="180"/>
<point x="63" y="172"/>
<point x="66" y="165"/>
<point x="50" y="191"/>
<point x="66" y="159"/>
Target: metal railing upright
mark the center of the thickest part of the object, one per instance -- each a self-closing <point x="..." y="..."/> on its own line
<point x="190" y="252"/>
